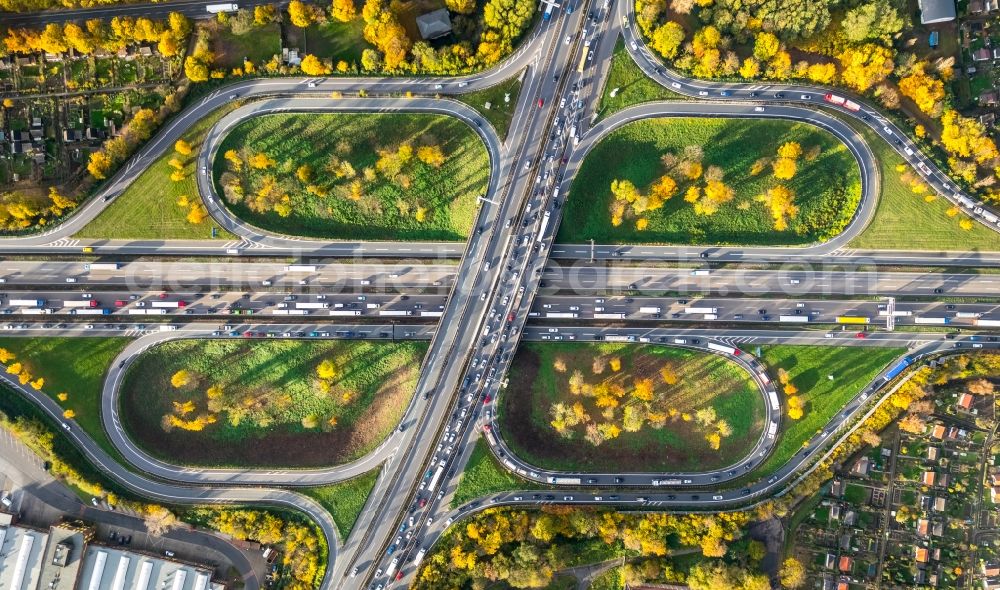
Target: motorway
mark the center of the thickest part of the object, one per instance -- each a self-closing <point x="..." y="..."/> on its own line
<point x="490" y="295"/>
<point x="156" y="307"/>
<point x="364" y="278"/>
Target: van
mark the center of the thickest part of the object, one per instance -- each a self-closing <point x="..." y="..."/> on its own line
<point x="266" y="283"/>
<point x="167" y="328"/>
<point x="232" y="250"/>
<point x="793" y="281"/>
<point x="365" y="282"/>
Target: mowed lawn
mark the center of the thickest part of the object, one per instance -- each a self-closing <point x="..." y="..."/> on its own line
<point x="74" y="366"/>
<point x="483" y="475"/>
<point x="704" y="380"/>
<point x="500" y="113"/>
<point x="827" y="189"/>
<point x="148" y="210"/>
<point x="904" y="220"/>
<point x="385" y="210"/>
<point x="809" y="368"/>
<point x="269" y="388"/>
<point x="344" y="500"/>
<point x="633" y="86"/>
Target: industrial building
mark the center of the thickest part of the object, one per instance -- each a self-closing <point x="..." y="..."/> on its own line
<point x="65" y="558"/>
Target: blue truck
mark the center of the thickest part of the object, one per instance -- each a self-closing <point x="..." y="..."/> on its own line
<point x="898" y="368"/>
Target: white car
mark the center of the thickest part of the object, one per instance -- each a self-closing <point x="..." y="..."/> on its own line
<point x="758" y="109"/>
<point x="675" y="84"/>
<point x="438" y="86"/>
<point x="702" y="93"/>
<point x="634" y="46"/>
<point x="567" y="40"/>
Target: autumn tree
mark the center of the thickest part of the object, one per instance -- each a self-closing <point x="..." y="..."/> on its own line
<point x="667" y="39"/>
<point x="795" y="407"/>
<point x="314" y="66"/>
<point x="792" y="574"/>
<point x="865" y="66"/>
<point x="183" y="148"/>
<point x="780" y="201"/>
<point x="181" y="378"/>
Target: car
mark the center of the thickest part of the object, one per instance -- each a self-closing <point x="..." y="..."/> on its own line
<point x="168" y="553"/>
<point x="758" y="109"/>
<point x="779" y="95"/>
<point x="725" y="93"/>
<point x="716" y="497"/>
<point x="703" y="93"/>
<point x="937" y="291"/>
<point x="438" y="86"/>
<point x="861" y="335"/>
<point x="806" y="97"/>
<point x="568" y="498"/>
<point x="634" y="46"/>
<point x="568" y="39"/>
<point x="355" y="571"/>
<point x="887" y="130"/>
<point x="541" y="102"/>
<point x="675" y="84"/>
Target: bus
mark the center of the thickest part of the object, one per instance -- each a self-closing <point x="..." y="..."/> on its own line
<point x="583" y="60"/>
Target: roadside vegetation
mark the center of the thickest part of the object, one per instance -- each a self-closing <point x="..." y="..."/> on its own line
<point x="610" y="407"/>
<point x="876" y="49"/>
<point x="288" y="403"/>
<point x="508" y="547"/>
<point x="907" y="208"/>
<point x="345" y="500"/>
<point x="808" y="370"/>
<point x="633" y="86"/>
<point x="483" y="476"/>
<point x="713" y="181"/>
<point x="500" y="113"/>
<point x="163" y="202"/>
<point x="355" y="176"/>
<point x="69" y="370"/>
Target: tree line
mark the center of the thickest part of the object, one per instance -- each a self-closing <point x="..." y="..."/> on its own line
<point x="94" y="35"/>
<point x="524" y="548"/>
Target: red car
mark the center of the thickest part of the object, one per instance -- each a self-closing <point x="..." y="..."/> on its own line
<point x="487" y="427"/>
<point x="399" y="576"/>
<point x="487" y="399"/>
<point x="861" y="335"/>
<point x="422" y="502"/>
<point x="541" y="101"/>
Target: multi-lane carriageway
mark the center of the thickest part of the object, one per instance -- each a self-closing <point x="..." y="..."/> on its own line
<point x="579" y="278"/>
<point x="160" y="306"/>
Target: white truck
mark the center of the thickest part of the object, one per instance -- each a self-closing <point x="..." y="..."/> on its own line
<point x="217" y="8"/>
<point x="312" y="305"/>
<point x="701" y="310"/>
<point x="649" y="309"/>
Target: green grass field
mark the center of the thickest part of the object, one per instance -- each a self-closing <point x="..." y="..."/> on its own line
<point x="852" y="368"/>
<point x="500" y="113"/>
<point x="704" y="380"/>
<point x="75" y="366"/>
<point x="634" y="87"/>
<point x="483" y="475"/>
<point x="334" y="40"/>
<point x="901" y="215"/>
<point x="148" y="208"/>
<point x="257" y="46"/>
<point x="270" y="394"/>
<point x="827" y="188"/>
<point x="385" y="209"/>
<point x="344" y="500"/>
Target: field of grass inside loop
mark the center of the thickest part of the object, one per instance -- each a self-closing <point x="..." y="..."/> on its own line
<point x="281" y="403"/>
<point x="626" y="408"/>
<point x="713" y="181"/>
<point x="354" y="176"/>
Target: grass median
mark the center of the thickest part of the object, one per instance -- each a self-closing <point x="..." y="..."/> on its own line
<point x="148" y="208"/>
<point x="268" y="403"/>
<point x="904" y="220"/>
<point x="809" y="369"/>
<point x="74" y="368"/>
<point x="345" y="500"/>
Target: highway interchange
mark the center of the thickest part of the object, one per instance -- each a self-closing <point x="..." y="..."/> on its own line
<point x="480" y="311"/>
